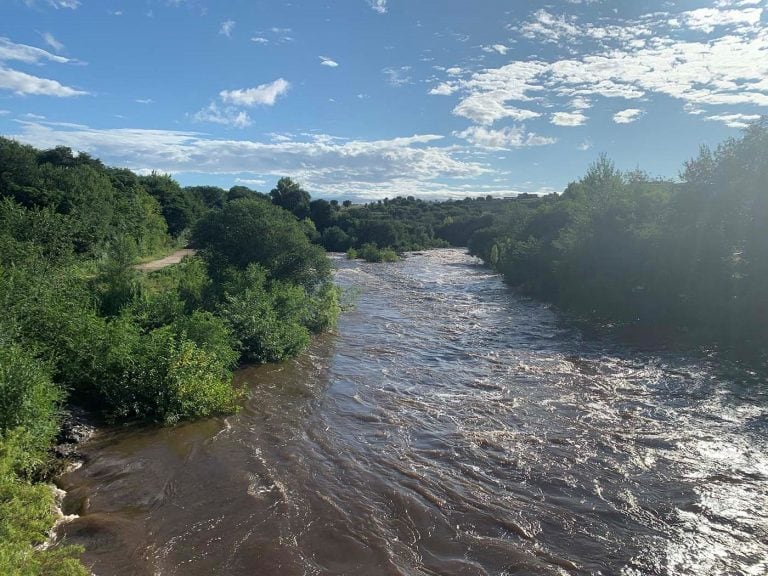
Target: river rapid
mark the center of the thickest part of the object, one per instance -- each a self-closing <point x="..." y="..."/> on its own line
<point x="448" y="427"/>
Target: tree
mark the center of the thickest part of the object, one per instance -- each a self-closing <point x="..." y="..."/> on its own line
<point x="321" y="212"/>
<point x="255" y="232"/>
<point x="290" y="196"/>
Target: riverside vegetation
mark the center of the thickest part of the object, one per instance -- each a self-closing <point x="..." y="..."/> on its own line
<point x="80" y="325"/>
<point x="688" y="256"/>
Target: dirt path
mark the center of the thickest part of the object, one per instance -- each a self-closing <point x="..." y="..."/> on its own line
<point x="174" y="258"/>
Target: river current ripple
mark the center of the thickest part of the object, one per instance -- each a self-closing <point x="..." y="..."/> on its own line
<point x="448" y="427"/>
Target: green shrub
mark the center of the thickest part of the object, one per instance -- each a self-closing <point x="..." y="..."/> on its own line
<point x="164" y="376"/>
<point x="323" y="310"/>
<point x="28" y="403"/>
<point x="371" y="253"/>
<point x="266" y="318"/>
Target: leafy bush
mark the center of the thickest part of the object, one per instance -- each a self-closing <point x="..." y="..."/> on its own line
<point x="266" y="318"/>
<point x="250" y="231"/>
<point x="26" y="516"/>
<point x="371" y="253"/>
<point x="28" y="403"/>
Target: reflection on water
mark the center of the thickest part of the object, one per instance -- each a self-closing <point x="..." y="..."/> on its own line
<point x="449" y="427"/>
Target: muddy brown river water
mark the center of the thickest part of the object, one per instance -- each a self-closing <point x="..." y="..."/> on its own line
<point x="448" y="427"/>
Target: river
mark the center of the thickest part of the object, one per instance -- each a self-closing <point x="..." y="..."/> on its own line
<point x="448" y="427"/>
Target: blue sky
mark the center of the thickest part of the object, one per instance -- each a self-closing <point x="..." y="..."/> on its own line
<point x="366" y="99"/>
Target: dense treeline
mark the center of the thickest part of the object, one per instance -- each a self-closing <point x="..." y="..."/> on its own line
<point x="400" y="224"/>
<point x="616" y="246"/>
<point x="80" y="324"/>
<point x="622" y="246"/>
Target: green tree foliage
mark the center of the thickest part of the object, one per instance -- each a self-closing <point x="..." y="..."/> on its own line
<point x="623" y="246"/>
<point x="267" y="318"/>
<point x="372" y="253"/>
<point x="180" y="210"/>
<point x="290" y="196"/>
<point x="255" y="232"/>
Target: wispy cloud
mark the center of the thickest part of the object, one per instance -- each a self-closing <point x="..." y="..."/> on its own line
<point x="227" y="27"/>
<point x="263" y="95"/>
<point x="733" y="120"/>
<point x="398" y="76"/>
<point x="627" y="116"/>
<point x="568" y="118"/>
<point x="51" y="41"/>
<point x="659" y="54"/>
<point x="498" y="48"/>
<point x="325" y="61"/>
<point x="145" y="101"/>
<point x="379" y="6"/>
<point x="708" y="19"/>
<point x="25" y="84"/>
<point x="28" y="54"/>
<point x="504" y="138"/>
<point x="227" y="116"/>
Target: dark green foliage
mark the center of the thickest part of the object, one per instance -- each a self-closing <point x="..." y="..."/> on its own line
<point x="255" y="232"/>
<point x="212" y="197"/>
<point x="404" y="224"/>
<point x="622" y="246"/>
<point x="237" y="192"/>
<point x="290" y="196"/>
<point x="116" y="283"/>
<point x="336" y="240"/>
<point x="267" y="319"/>
<point x="322" y="213"/>
<point x="180" y="210"/>
<point x="372" y="253"/>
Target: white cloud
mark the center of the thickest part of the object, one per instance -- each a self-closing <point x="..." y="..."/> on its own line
<point x="625" y="59"/>
<point x="548" y="27"/>
<point x="379" y="6"/>
<point x="226" y="27"/>
<point x="734" y="120"/>
<point x="443" y="89"/>
<point x="498" y="48"/>
<point x="259" y="40"/>
<point x="505" y="138"/>
<point x="227" y="116"/>
<point x="321" y="163"/>
<point x="707" y="19"/>
<point x="145" y="101"/>
<point x="627" y="116"/>
<point x="584" y="145"/>
<point x="325" y="61"/>
<point x="71" y="4"/>
<point x="51" y="41"/>
<point x="398" y="76"/>
<point x="4" y="112"/>
<point x="568" y="118"/>
<point x="580" y="103"/>
<point x="27" y="54"/>
<point x="264" y="94"/>
<point x="22" y="83"/>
